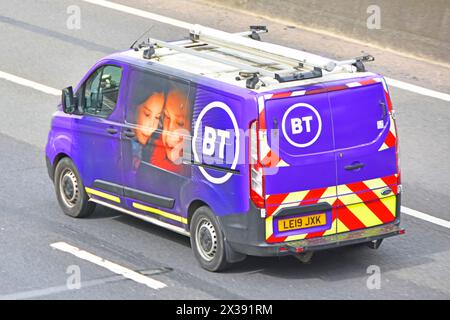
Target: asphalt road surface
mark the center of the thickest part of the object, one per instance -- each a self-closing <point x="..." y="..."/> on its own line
<point x="38" y="46"/>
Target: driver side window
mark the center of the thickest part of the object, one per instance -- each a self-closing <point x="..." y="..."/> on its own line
<point x="101" y="91"/>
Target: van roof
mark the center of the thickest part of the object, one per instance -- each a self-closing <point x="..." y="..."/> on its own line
<point x="241" y="62"/>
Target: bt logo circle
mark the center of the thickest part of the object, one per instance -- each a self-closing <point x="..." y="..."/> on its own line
<point x="301" y="125"/>
<point x="210" y="139"/>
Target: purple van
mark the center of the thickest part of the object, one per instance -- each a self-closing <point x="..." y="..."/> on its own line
<point x="245" y="161"/>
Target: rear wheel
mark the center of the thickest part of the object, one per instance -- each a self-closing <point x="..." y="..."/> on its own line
<point x="70" y="190"/>
<point x="207" y="240"/>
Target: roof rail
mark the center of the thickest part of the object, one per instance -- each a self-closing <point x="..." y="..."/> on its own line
<point x="301" y="65"/>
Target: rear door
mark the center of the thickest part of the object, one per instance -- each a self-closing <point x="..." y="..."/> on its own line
<point x="297" y="150"/>
<point x="365" y="137"/>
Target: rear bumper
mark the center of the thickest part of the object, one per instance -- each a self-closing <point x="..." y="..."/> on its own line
<point x="320" y="243"/>
<point x="344" y="239"/>
<point x="245" y="233"/>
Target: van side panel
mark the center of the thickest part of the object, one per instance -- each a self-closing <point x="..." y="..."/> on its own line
<point x="220" y="150"/>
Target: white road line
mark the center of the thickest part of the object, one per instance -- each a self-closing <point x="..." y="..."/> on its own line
<point x="111" y="266"/>
<point x="426" y="217"/>
<point x="33" y="294"/>
<point x="416" y="89"/>
<point x="29" y="83"/>
<point x="141" y="13"/>
<point x="182" y="24"/>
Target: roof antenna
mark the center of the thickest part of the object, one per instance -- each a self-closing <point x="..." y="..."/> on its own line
<point x="134" y="43"/>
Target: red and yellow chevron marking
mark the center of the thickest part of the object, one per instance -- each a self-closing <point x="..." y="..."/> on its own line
<point x="366" y="214"/>
<point x="268" y="157"/>
<point x="357" y="205"/>
<point x="277" y="202"/>
<point x="391" y="137"/>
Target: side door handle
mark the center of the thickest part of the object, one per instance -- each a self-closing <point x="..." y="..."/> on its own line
<point x="354" y="166"/>
<point x="129" y="133"/>
<point x="111" y="130"/>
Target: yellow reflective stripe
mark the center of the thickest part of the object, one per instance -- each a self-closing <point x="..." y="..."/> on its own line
<point x="102" y="195"/>
<point x="160" y="212"/>
<point x="350" y="197"/>
<point x="329" y="192"/>
<point x="332" y="230"/>
<point x="341" y="227"/>
<point x="269" y="227"/>
<point x="391" y="204"/>
<point x="375" y="183"/>
<point x="296" y="237"/>
<point x="364" y="214"/>
<point x="330" y="201"/>
<point x="295" y="197"/>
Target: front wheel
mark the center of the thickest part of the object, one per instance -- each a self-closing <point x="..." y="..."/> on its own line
<point x="207" y="240"/>
<point x="70" y="192"/>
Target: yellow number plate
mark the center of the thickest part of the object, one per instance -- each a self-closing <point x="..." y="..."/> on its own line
<point x="304" y="222"/>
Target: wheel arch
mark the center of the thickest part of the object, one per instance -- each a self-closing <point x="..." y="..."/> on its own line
<point x="193" y="206"/>
<point x="52" y="165"/>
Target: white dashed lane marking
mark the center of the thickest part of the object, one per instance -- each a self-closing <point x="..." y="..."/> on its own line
<point x="426" y="217"/>
<point x="111" y="266"/>
<point x="29" y="83"/>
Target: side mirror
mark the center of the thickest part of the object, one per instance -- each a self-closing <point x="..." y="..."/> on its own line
<point x="68" y="100"/>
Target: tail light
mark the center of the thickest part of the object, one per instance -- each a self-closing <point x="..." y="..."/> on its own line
<point x="256" y="170"/>
<point x="397" y="155"/>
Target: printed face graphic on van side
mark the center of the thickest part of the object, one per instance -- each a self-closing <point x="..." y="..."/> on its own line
<point x="216" y="140"/>
<point x="301" y="125"/>
<point x="148" y="116"/>
<point x="159" y="111"/>
<point x="176" y="124"/>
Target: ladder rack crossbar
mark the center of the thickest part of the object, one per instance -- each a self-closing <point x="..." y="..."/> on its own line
<point x="271" y="50"/>
<point x="238" y="65"/>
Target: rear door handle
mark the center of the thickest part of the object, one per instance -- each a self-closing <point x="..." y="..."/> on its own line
<point x="354" y="166"/>
<point x="111" y="130"/>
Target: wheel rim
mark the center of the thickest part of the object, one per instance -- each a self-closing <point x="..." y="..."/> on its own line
<point x="206" y="239"/>
<point x="68" y="188"/>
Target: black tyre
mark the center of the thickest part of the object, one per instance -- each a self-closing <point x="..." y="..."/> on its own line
<point x="207" y="240"/>
<point x="70" y="190"/>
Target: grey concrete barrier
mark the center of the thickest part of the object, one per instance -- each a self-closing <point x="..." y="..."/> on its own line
<point x="416" y="27"/>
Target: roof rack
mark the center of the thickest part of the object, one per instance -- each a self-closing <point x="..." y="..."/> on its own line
<point x="289" y="64"/>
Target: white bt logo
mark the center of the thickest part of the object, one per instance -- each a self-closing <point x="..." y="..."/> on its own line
<point x="301" y="125"/>
<point x="209" y="141"/>
<point x="297" y="127"/>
